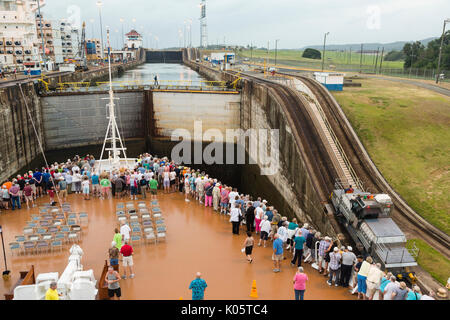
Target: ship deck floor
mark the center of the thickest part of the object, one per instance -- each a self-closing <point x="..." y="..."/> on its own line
<point x="198" y="239"/>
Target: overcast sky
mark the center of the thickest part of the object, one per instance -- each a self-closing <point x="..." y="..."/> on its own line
<point x="296" y="23"/>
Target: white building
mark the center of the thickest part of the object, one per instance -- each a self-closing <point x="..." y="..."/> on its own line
<point x="134" y="40"/>
<point x="98" y="49"/>
<point x="52" y="39"/>
<point x="70" y="39"/>
<point x="333" y="81"/>
<point x="18" y="36"/>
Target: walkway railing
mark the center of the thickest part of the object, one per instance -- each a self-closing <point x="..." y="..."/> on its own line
<point x="143" y="85"/>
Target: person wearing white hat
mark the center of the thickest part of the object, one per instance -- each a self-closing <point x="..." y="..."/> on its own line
<point x="216" y="195"/>
<point x="324" y="246"/>
<point x="264" y="205"/>
<point x="335" y="266"/>
<point x="348" y="261"/>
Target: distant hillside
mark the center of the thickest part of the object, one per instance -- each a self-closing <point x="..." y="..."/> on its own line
<point x="398" y="45"/>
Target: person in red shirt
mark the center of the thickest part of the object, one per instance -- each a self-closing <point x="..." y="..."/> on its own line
<point x="127" y="253"/>
<point x="28" y="194"/>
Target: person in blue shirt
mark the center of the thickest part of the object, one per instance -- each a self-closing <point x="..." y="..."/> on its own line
<point x="37" y="175"/>
<point x="414" y="294"/>
<point x="240" y="201"/>
<point x="269" y="214"/>
<point x="45" y="179"/>
<point x="87" y="173"/>
<point x="198" y="287"/>
<point x="299" y="240"/>
<point x="95" y="185"/>
<point x="384" y="281"/>
<point x="277" y="255"/>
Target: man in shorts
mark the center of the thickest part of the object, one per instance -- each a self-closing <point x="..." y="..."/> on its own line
<point x="28" y="194"/>
<point x="153" y="187"/>
<point x="112" y="278"/>
<point x="277" y="254"/>
<point x="62" y="187"/>
<point x="127" y="253"/>
<point x="95" y="179"/>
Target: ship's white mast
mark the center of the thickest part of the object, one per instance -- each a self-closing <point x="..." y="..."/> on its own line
<point x="112" y="132"/>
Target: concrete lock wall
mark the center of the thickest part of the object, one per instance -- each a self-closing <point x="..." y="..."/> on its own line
<point x="18" y="142"/>
<point x="173" y="110"/>
<point x="291" y="190"/>
<point x="77" y="120"/>
<point x="19" y="146"/>
<point x="291" y="185"/>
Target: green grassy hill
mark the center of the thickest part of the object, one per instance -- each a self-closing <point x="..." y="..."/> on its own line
<point x="406" y="131"/>
<point x="332" y="57"/>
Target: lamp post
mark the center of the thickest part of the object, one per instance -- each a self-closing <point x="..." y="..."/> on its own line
<point x="122" y="20"/>
<point x="323" y="56"/>
<point x="6" y="272"/>
<point x="180" y="35"/>
<point x="99" y="5"/>
<point x="184" y="32"/>
<point x="276" y="50"/>
<point x="117" y="38"/>
<point x="440" y="51"/>
<point x="92" y="25"/>
<point x="190" y="33"/>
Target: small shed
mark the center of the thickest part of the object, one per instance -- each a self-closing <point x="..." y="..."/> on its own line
<point x="333" y="81"/>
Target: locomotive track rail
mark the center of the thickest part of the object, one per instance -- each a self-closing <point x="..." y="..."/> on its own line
<point x="318" y="162"/>
<point x="411" y="222"/>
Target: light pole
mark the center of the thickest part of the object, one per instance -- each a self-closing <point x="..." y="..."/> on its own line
<point x="122" y="20"/>
<point x="440" y="51"/>
<point x="99" y="5"/>
<point x="117" y="38"/>
<point x="92" y="25"/>
<point x="184" y="32"/>
<point x="188" y="32"/>
<point x="276" y="50"/>
<point x="323" y="56"/>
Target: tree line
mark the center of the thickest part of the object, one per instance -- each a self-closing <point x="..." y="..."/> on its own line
<point x="416" y="55"/>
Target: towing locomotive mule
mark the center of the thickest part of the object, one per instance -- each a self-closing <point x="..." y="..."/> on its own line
<point x="366" y="217"/>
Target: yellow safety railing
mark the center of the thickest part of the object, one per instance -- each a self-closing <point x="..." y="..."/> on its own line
<point x="168" y="84"/>
<point x="72" y="85"/>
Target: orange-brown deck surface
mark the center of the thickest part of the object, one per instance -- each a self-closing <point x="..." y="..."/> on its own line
<point x="198" y="239"/>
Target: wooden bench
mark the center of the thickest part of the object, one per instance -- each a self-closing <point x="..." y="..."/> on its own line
<point x="102" y="285"/>
<point x="26" y="278"/>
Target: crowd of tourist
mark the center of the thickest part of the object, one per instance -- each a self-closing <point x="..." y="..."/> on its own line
<point x="335" y="260"/>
